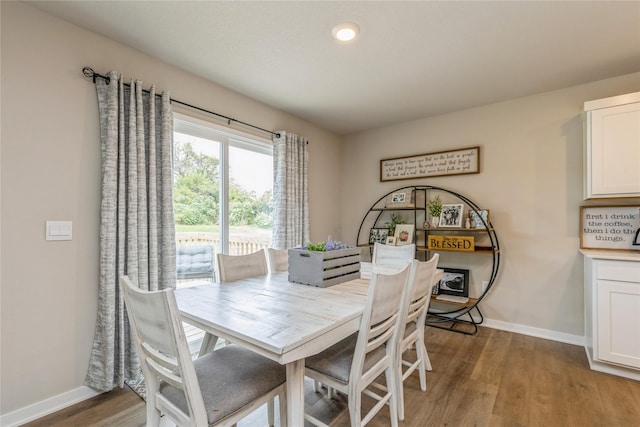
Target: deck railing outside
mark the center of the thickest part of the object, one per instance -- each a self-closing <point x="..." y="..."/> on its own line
<point x="236" y="247"/>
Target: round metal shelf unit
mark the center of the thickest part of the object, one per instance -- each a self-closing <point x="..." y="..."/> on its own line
<point x="453" y="315"/>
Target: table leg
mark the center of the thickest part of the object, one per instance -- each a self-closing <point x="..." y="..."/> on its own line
<point x="295" y="393"/>
<point x="208" y="344"/>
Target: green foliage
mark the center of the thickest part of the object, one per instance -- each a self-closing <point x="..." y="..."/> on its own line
<point x="329" y="245"/>
<point x="435" y="206"/>
<point x="195" y="200"/>
<point x="394" y="220"/>
<point x="197" y="194"/>
<point x="318" y="247"/>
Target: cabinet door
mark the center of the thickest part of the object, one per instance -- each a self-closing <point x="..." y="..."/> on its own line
<point x="613" y="152"/>
<point x="619" y="322"/>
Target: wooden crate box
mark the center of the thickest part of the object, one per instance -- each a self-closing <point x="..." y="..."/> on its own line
<point x="323" y="269"/>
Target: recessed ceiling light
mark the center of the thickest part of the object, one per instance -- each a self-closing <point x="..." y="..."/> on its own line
<point x="345" y="32"/>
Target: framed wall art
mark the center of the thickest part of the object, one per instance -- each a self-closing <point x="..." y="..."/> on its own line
<point x="610" y="227"/>
<point x="477" y="218"/>
<point x="454" y="162"/>
<point x="404" y="234"/>
<point x="400" y="199"/>
<point x="454" y="282"/>
<point x="451" y="216"/>
<point x="378" y="235"/>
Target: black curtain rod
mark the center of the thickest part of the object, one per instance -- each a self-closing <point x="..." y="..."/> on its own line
<point x="88" y="72"/>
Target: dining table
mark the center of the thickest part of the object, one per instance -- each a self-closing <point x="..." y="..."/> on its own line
<point x="281" y="320"/>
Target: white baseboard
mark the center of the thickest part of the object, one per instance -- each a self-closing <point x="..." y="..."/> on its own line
<point x="47" y="406"/>
<point x="535" y="332"/>
<point x="610" y="368"/>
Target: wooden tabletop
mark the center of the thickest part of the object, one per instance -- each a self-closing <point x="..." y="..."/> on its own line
<point x="281" y="320"/>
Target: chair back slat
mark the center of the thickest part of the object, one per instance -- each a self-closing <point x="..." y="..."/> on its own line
<point x="393" y="255"/>
<point x="381" y="333"/>
<point x="166" y="375"/>
<point x="278" y="260"/>
<point x="416" y="308"/>
<point x="169" y="362"/>
<point x="236" y="267"/>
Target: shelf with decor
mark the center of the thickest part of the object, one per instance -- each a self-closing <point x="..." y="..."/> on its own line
<point x="411" y="208"/>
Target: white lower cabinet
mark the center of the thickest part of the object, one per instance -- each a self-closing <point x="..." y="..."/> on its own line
<point x="612" y="313"/>
<point x="619" y="322"/>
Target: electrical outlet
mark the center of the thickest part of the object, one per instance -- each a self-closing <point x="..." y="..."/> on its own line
<point x="485" y="283"/>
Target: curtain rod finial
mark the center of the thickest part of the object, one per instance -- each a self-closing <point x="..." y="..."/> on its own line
<point x="88" y="72"/>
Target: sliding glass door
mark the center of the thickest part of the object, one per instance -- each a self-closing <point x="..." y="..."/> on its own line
<point x="223" y="188"/>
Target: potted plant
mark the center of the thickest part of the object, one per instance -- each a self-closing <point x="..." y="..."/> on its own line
<point x="391" y="225"/>
<point x="435" y="209"/>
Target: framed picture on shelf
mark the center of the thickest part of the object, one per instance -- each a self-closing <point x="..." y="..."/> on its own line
<point x="391" y="240"/>
<point x="378" y="235"/>
<point x="400" y="199"/>
<point x="451" y="216"/>
<point x="435" y="289"/>
<point x="404" y="234"/>
<point x="478" y="217"/>
<point x="454" y="282"/>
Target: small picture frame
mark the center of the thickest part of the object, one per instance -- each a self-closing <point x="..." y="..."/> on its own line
<point x="391" y="240"/>
<point x="400" y="199"/>
<point x="454" y="282"/>
<point x="478" y="217"/>
<point x="404" y="234"/>
<point x="378" y="235"/>
<point x="451" y="216"/>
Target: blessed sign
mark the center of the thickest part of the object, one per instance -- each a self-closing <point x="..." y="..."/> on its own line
<point x="451" y="243"/>
<point x="609" y="227"/>
<point x="455" y="162"/>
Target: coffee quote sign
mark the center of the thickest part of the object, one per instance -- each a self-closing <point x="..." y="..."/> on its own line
<point x="609" y="227"/>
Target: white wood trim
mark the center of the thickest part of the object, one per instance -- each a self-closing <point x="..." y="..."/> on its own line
<point x="535" y="332"/>
<point x="47" y="406"/>
<point x="612" y="101"/>
<point x="612" y="369"/>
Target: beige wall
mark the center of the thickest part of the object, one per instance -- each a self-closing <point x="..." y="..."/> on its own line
<point x="51" y="171"/>
<point x="530" y="180"/>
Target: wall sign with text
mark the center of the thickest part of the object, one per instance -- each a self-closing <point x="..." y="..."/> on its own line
<point x="610" y="227"/>
<point x="454" y="162"/>
<point x="451" y="243"/>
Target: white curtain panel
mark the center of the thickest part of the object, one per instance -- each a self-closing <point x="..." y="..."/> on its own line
<point x="290" y="191"/>
<point x="137" y="230"/>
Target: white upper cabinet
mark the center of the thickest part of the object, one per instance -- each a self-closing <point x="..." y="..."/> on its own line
<point x="612" y="147"/>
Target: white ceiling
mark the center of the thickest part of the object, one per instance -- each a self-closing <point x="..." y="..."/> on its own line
<point x="412" y="59"/>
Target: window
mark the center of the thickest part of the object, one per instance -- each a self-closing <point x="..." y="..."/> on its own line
<point x="223" y="183"/>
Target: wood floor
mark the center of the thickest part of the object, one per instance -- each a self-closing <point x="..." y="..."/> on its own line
<point x="494" y="378"/>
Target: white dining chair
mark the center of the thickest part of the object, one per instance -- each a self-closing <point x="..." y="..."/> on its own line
<point x="217" y="389"/>
<point x="390" y="255"/>
<point x="236" y="267"/>
<point x="352" y="365"/>
<point x="387" y="256"/>
<point x="415" y="309"/>
<point x="278" y="260"/>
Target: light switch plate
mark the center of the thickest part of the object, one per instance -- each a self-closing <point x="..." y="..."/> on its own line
<point x="59" y="230"/>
